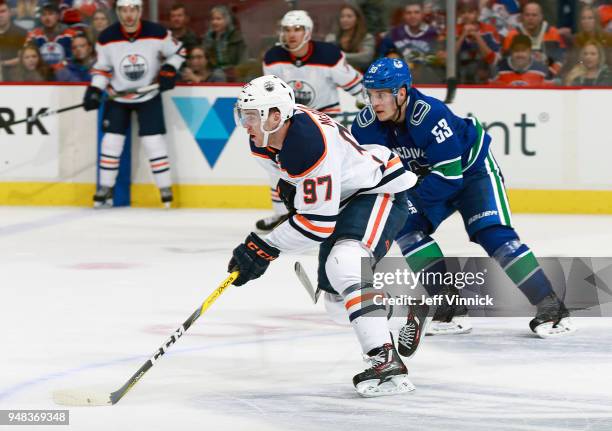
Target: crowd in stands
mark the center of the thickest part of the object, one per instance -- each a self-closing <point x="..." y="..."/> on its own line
<point x="498" y="42"/>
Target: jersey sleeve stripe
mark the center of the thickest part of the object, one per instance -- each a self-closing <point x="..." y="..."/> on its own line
<point x="394" y="161"/>
<point x="360" y="299"/>
<point x="101" y="72"/>
<point x="304" y="232"/>
<point x="305" y="223"/>
<point x="318" y="217"/>
<point x="263" y="156"/>
<point x="373" y="231"/>
<point x="352" y="82"/>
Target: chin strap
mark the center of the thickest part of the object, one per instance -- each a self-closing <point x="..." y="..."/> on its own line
<point x="398" y="112"/>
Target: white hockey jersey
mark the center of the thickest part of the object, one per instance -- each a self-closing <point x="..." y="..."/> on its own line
<point x="328" y="168"/>
<point x="315" y="78"/>
<point x="128" y="62"/>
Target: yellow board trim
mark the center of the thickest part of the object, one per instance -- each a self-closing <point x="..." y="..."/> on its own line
<point x="560" y="201"/>
<point x="143" y="195"/>
<point x="250" y="196"/>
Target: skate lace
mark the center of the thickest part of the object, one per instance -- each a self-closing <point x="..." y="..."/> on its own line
<point x="407" y="334"/>
<point x="376" y="360"/>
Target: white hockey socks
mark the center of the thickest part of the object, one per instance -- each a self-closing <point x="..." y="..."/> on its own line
<point x="363" y="303"/>
<point x="110" y="152"/>
<point x="157" y="152"/>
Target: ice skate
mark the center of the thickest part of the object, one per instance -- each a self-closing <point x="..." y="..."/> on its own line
<point x="387" y="376"/>
<point x="552" y="318"/>
<point x="166" y="196"/>
<point x="450" y="319"/>
<point x="411" y="333"/>
<point x="103" y="197"/>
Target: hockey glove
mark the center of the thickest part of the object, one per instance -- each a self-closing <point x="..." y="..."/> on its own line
<point x="251" y="258"/>
<point x="167" y="77"/>
<point x="92" y="98"/>
<point x="360" y="101"/>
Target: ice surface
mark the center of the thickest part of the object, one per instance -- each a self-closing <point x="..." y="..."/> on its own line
<point x="87" y="296"/>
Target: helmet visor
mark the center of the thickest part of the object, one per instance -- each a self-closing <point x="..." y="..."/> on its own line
<point x="379" y="96"/>
<point x="247" y="117"/>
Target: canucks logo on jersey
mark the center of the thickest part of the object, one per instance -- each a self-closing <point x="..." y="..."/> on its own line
<point x="304" y="92"/>
<point x="133" y="67"/>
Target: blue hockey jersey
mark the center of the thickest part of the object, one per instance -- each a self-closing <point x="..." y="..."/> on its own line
<point x="437" y="145"/>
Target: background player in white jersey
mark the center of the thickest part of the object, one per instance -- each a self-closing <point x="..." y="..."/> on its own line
<point x="347" y="199"/>
<point x="129" y="54"/>
<point x="315" y="70"/>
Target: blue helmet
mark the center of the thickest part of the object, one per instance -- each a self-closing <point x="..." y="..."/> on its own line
<point x="388" y="73"/>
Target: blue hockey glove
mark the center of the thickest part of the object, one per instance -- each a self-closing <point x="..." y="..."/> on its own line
<point x="251" y="258"/>
<point x="167" y="77"/>
<point x="92" y="99"/>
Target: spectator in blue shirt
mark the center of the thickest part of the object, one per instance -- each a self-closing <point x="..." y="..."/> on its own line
<point x="83" y="58"/>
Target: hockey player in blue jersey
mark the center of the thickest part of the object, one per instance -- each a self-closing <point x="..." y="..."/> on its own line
<point x="457" y="172"/>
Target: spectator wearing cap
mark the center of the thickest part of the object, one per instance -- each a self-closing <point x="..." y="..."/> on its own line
<point x="53" y="39"/>
<point x="78" y="68"/>
<point x="73" y="19"/>
<point x="419" y="44"/>
<point x="546" y="43"/>
<point x="179" y="20"/>
<point x="520" y="69"/>
<point x="592" y="69"/>
<point x="12" y="38"/>
<point x="477" y="46"/>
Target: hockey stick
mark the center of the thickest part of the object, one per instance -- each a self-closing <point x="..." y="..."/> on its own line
<point x="305" y="280"/>
<point x="82" y="398"/>
<point x="137" y="93"/>
<point x="451" y="60"/>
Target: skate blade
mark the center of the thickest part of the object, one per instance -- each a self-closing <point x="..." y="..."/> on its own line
<point x="393" y="386"/>
<point x="459" y="325"/>
<point x="547" y="330"/>
<point x="167" y="205"/>
<point x="103" y="205"/>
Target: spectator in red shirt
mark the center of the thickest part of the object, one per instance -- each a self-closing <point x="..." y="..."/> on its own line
<point x="520" y="68"/>
<point x="546" y="43"/>
<point x="477" y="46"/>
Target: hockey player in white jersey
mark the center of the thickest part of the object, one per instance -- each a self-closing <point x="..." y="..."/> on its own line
<point x="129" y="57"/>
<point x="347" y="199"/>
<point x="315" y="70"/>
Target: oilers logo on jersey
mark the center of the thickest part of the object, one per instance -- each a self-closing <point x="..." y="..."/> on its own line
<point x="133" y="67"/>
<point x="304" y="92"/>
<point x="132" y="61"/>
<point x="52" y="53"/>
